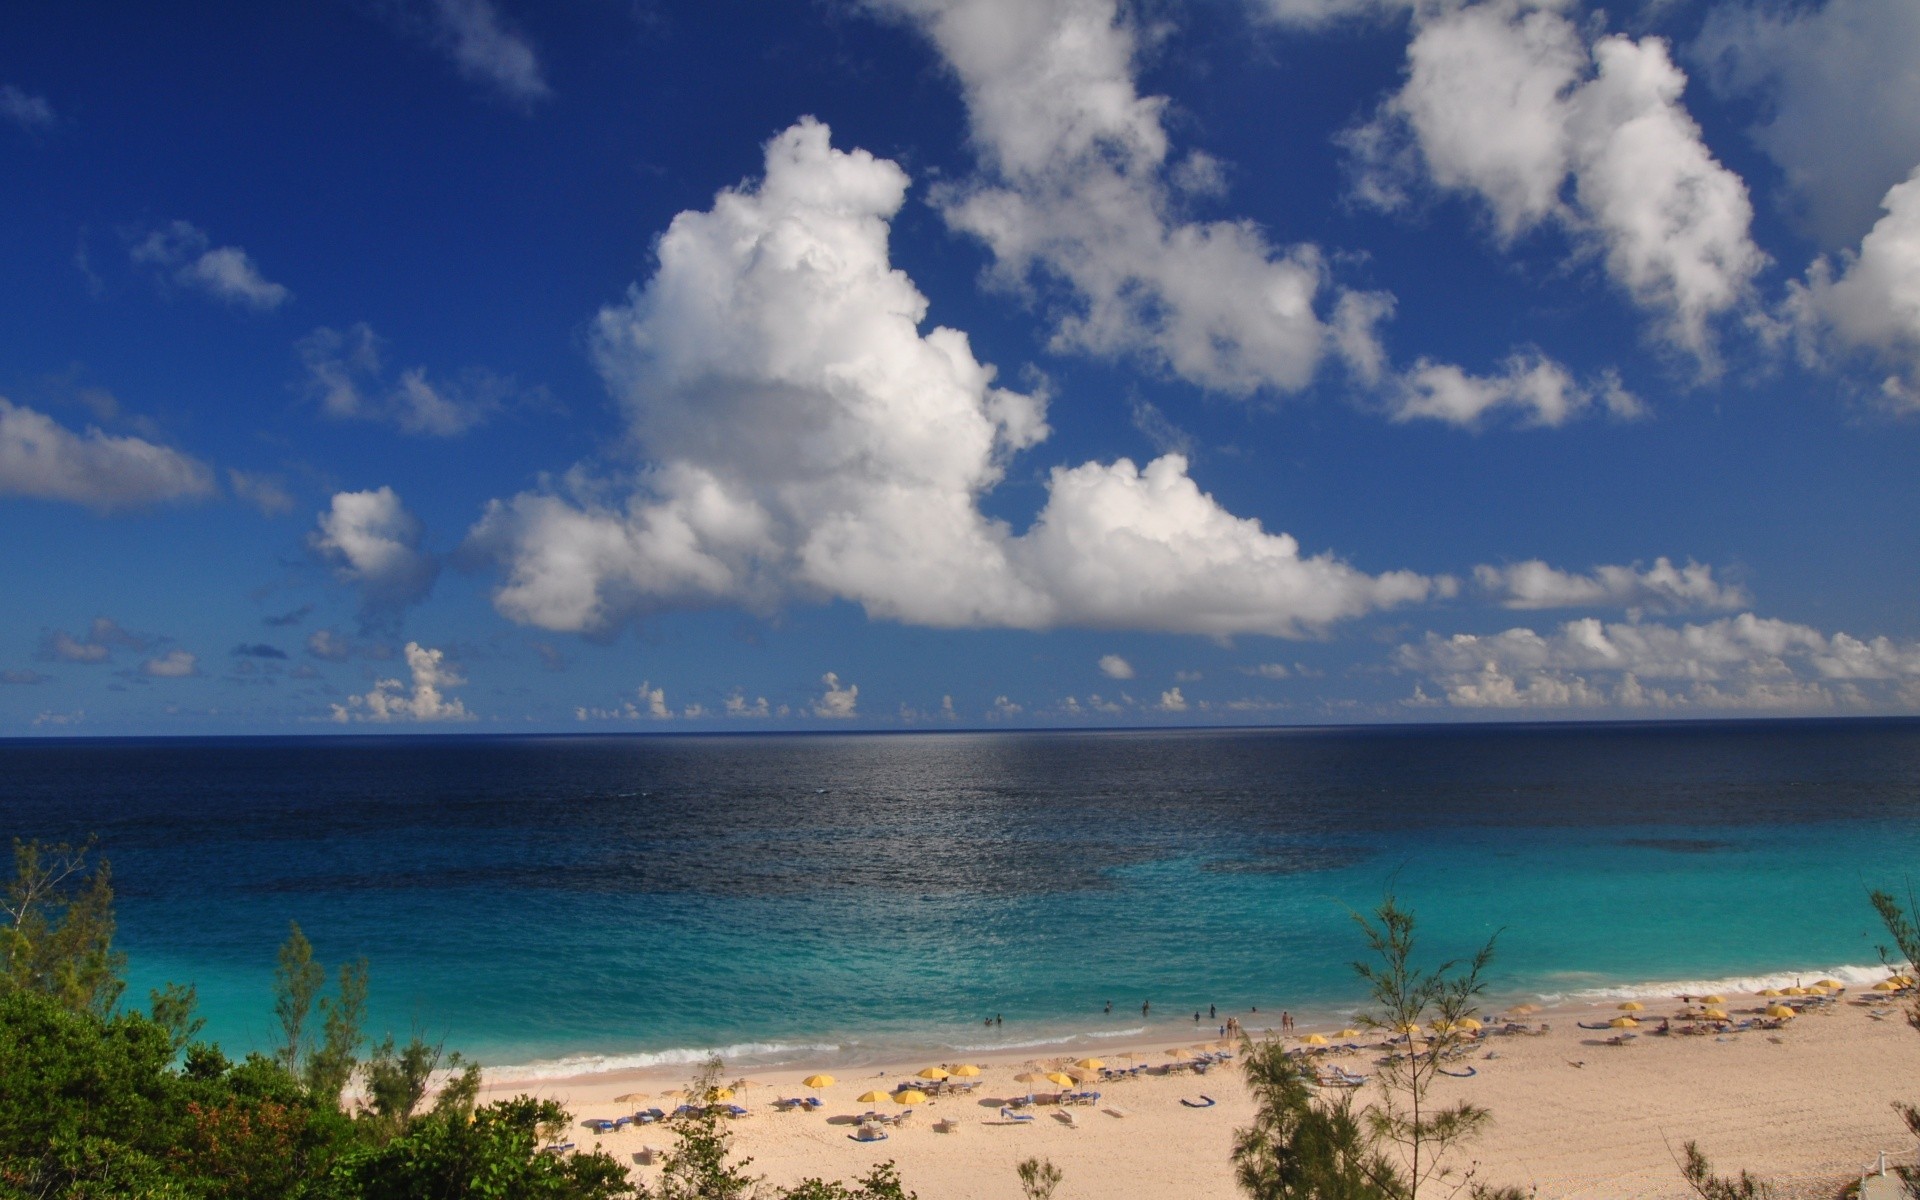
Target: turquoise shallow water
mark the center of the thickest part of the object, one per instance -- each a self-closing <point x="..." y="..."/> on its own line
<point x="628" y="901"/>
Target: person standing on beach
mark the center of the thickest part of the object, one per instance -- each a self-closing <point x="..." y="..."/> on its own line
<point x="1211" y="1012"/>
<point x="1144" y="1006"/>
<point x="1109" y="1006"/>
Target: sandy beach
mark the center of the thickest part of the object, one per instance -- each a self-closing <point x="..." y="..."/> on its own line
<point x="1574" y="1117"/>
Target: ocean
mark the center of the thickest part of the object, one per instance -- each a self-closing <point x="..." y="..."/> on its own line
<point x="557" y="904"/>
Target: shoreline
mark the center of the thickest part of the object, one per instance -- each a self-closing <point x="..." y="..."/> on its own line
<point x="852" y="1052"/>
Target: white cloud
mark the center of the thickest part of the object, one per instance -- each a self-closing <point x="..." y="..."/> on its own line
<point x="1004" y="709"/>
<point x="392" y="700"/>
<point x="652" y="706"/>
<point x="1873" y="303"/>
<point x="1079" y="188"/>
<point x="30" y="112"/>
<point x="809" y="441"/>
<point x="656" y="701"/>
<point x="265" y="492"/>
<point x="44" y="460"/>
<point x="1268" y="670"/>
<point x="738" y="706"/>
<point x="837" y="703"/>
<point x="946" y="709"/>
<point x="1731" y="663"/>
<point x="175" y="664"/>
<point x="1507" y="100"/>
<point x="328" y="646"/>
<point x="23" y="676"/>
<point x="191" y="260"/>
<point x="1172" y="701"/>
<point x="375" y="544"/>
<point x="345" y="373"/>
<point x="103" y="636"/>
<point x="487" y="50"/>
<point x="1115" y="667"/>
<point x="1534" y="584"/>
<point x="1311" y="14"/>
<point x="1537" y="389"/>
<point x="1840" y="84"/>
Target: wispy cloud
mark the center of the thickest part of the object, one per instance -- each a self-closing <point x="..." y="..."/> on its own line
<point x="185" y="255"/>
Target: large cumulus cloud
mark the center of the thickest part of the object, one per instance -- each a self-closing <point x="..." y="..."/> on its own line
<point x="805" y="438"/>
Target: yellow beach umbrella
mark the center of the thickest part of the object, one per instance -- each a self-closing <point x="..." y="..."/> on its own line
<point x="630" y="1097"/>
<point x="1061" y="1078"/>
<point x="818" y="1081"/>
<point x="873" y="1097"/>
<point x="1314" y="1039"/>
<point x="1793" y="991"/>
<point x="934" y="1073"/>
<point x="1716" y="999"/>
<point x="1029" y="1077"/>
<point x="1886" y="985"/>
<point x="1769" y="991"/>
<point x="1410" y="1027"/>
<point x="1469" y="1024"/>
<point x="1623" y="1022"/>
<point x="720" y="1094"/>
<point x="1632" y="1006"/>
<point x="1831" y="983"/>
<point x="1781" y="1010"/>
<point x="966" y="1070"/>
<point x="910" y="1096"/>
<point x="1715" y="1014"/>
<point x="1348" y="1033"/>
<point x="1178" y="1053"/>
<point x="1090" y="1064"/>
<point x="1524" y="1010"/>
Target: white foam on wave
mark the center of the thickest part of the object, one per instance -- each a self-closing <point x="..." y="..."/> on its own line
<point x="1852" y="974"/>
<point x="763" y="1053"/>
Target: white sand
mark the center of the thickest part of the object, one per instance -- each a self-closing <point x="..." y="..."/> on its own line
<point x="1803" y="1108"/>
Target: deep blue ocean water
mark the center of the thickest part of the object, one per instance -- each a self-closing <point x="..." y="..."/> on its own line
<point x="630" y="900"/>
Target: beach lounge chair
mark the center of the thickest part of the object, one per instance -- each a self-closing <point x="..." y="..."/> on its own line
<point x="556" y="1148"/>
<point x="598" y="1125"/>
<point x="1202" y="1102"/>
<point x="1068" y="1119"/>
<point x="647" y="1155"/>
<point x="1469" y="1073"/>
<point x="1007" y="1114"/>
<point x="868" y="1133"/>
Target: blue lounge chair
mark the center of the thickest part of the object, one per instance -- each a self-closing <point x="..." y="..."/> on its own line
<point x="1010" y="1115"/>
<point x="1202" y="1102"/>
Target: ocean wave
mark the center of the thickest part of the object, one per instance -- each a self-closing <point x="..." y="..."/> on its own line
<point x="764" y="1053"/>
<point x="1852" y="974"/>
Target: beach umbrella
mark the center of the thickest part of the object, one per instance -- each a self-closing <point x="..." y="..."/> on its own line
<point x="1177" y="1053"/>
<point x="966" y="1070"/>
<point x="1886" y="985"/>
<point x="934" y="1073"/>
<point x="816" y="1082"/>
<point x="1716" y="999"/>
<point x="1623" y="1022"/>
<point x="873" y="1097"/>
<point x="1314" y="1039"/>
<point x="1524" y="1010"/>
<point x="1060" y="1077"/>
<point x="1715" y="1014"/>
<point x="1029" y="1077"/>
<point x="1793" y="991"/>
<point x="630" y="1097"/>
<point x="1090" y="1064"/>
<point x="1832" y="983"/>
<point x="724" y="1093"/>
<point x="1082" y="1075"/>
<point x="1470" y="1025"/>
<point x="1769" y="991"/>
<point x="1409" y="1028"/>
<point x="910" y="1096"/>
<point x="1348" y="1033"/>
<point x="1632" y="1006"/>
<point x="1781" y="1010"/>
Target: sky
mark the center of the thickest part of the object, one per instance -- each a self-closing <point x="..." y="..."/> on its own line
<point x="621" y="365"/>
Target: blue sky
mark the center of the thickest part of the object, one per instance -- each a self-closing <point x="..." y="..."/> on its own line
<point x="481" y="365"/>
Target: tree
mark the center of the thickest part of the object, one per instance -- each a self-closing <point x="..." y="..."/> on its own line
<point x="881" y="1183"/>
<point x="398" y="1081"/>
<point x="1302" y="1146"/>
<point x="331" y="1065"/>
<point x="58" y="940"/>
<point x="1904" y="955"/>
<point x="171" y="1007"/>
<point x="1038" y="1178"/>
<point x="297" y="981"/>
<point x="1409" y="1000"/>
<point x="699" y="1167"/>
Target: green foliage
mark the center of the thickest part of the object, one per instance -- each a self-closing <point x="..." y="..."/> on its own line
<point x="171" y="1008"/>
<point x="1406" y="996"/>
<point x="881" y="1183"/>
<point x="58" y="939"/>
<point x="330" y="1066"/>
<point x="397" y="1083"/>
<point x="490" y="1154"/>
<point x="1698" y="1173"/>
<point x="1302" y="1146"/>
<point x="1038" y="1178"/>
